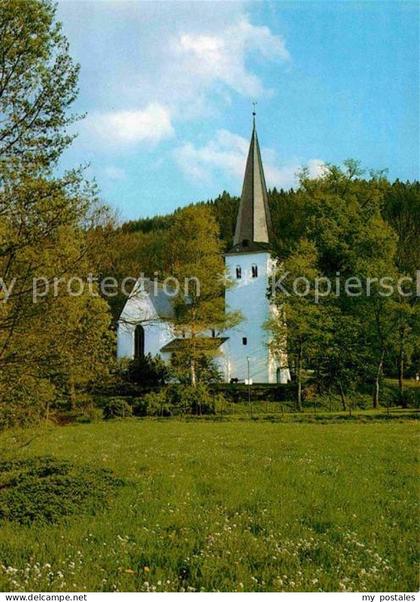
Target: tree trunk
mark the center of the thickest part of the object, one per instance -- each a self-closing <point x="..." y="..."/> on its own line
<point x="193" y="373"/>
<point x="402" y="401"/>
<point x="342" y="396"/>
<point x="377" y="385"/>
<point x="299" y="380"/>
<point x="72" y="393"/>
<point x="193" y="357"/>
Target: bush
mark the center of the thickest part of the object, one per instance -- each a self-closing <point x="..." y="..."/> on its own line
<point x="157" y="404"/>
<point x="191" y="400"/>
<point x="140" y="406"/>
<point x="391" y="397"/>
<point x="45" y="490"/>
<point x="116" y="407"/>
<point x="148" y="371"/>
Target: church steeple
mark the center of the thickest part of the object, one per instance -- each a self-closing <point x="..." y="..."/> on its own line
<point x="253" y="225"/>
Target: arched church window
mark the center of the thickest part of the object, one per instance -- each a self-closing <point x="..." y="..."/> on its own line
<point x="238" y="272"/>
<point x="139" y="341"/>
<point x="244" y="341"/>
<point x="254" y="270"/>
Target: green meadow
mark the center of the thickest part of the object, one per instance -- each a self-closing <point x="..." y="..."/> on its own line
<point x="220" y="506"/>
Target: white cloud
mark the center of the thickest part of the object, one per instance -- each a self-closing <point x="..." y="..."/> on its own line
<point x="193" y="55"/>
<point x="151" y="124"/>
<point x="227" y="154"/>
<point x="221" y="57"/>
<point x="114" y="173"/>
<point x="316" y="168"/>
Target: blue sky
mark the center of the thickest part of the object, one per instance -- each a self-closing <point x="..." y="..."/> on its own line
<point x="168" y="86"/>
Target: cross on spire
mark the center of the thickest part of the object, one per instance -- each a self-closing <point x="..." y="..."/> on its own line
<point x="254" y="104"/>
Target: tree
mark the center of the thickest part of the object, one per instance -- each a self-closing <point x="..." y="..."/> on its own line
<point x="339" y="234"/>
<point x="296" y="308"/>
<point x="353" y="241"/>
<point x="341" y="357"/>
<point x="195" y="260"/>
<point x="51" y="342"/>
<point x="59" y="340"/>
<point x="401" y="210"/>
<point x="38" y="83"/>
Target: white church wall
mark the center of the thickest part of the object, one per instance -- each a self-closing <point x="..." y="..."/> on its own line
<point x="157" y="332"/>
<point x="222" y="361"/>
<point x="125" y="340"/>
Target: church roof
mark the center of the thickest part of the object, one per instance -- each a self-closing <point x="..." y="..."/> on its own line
<point x="253" y="225"/>
<point x="150" y="300"/>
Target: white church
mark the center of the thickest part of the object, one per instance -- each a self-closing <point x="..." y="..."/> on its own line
<point x="145" y="325"/>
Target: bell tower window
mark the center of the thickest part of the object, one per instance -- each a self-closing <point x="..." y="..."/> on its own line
<point x="254" y="271"/>
<point x="238" y="272"/>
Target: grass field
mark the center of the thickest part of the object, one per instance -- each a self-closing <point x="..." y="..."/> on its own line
<point x="241" y="505"/>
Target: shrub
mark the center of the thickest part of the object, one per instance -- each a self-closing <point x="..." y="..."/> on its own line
<point x="157" y="404"/>
<point x="191" y="400"/>
<point x="147" y="371"/>
<point x="44" y="489"/>
<point x="410" y="397"/>
<point x="140" y="406"/>
<point x="116" y="407"/>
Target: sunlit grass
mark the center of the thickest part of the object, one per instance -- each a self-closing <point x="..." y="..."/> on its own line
<point x="226" y="506"/>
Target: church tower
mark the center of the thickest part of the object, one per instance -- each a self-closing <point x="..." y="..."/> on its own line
<point x="250" y="265"/>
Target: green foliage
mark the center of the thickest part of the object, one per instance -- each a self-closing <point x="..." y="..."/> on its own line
<point x="189" y="399"/>
<point x="38" y="85"/>
<point x="179" y="399"/>
<point x="43" y="489"/>
<point x="156" y="403"/>
<point x="343" y="233"/>
<point x="207" y="371"/>
<point x="148" y="371"/>
<point x="199" y="306"/>
<point x="58" y="345"/>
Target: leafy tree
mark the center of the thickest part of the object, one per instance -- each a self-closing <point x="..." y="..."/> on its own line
<point x="195" y="260"/>
<point x="296" y="307"/>
<point x="401" y="209"/>
<point x="38" y="84"/>
<point x="341" y="358"/>
<point x="52" y="343"/>
<point x="206" y="368"/>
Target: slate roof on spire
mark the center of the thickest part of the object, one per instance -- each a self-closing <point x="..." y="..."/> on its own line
<point x="253" y="225"/>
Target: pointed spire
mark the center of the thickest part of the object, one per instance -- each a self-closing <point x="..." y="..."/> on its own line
<point x="253" y="224"/>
